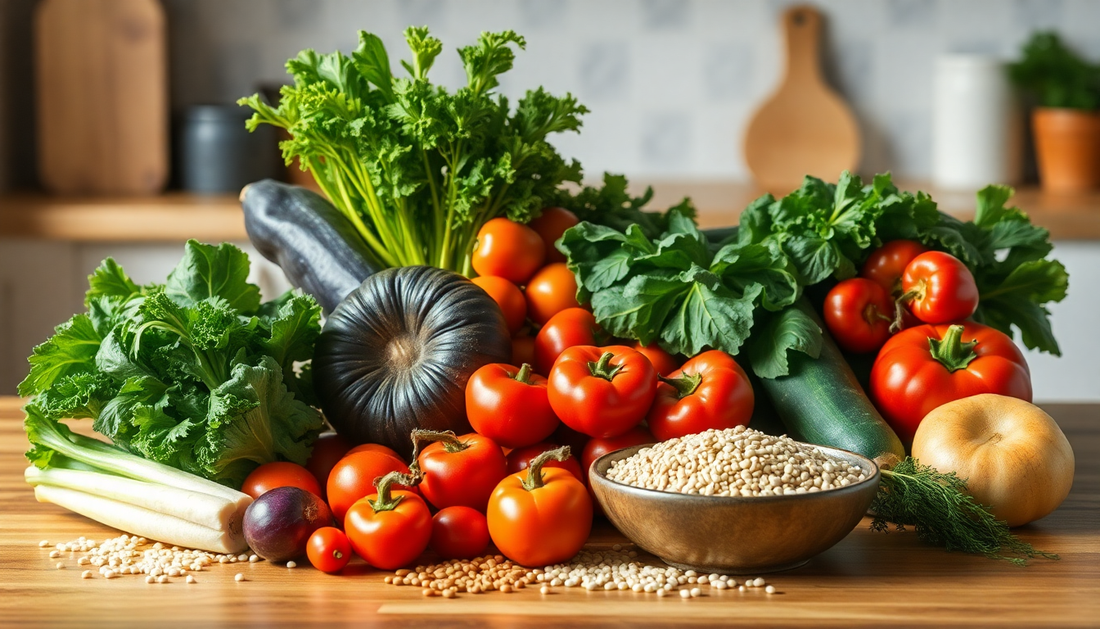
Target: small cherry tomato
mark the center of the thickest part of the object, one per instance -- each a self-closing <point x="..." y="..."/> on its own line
<point x="354" y="476"/>
<point x="663" y="362"/>
<point x="551" y="290"/>
<point x="520" y="459"/>
<point x="279" y="474"/>
<point x="389" y="529"/>
<point x="886" y="264"/>
<point x="710" y="391"/>
<point x="508" y="297"/>
<point x="570" y="327"/>
<point x="327" y="450"/>
<point x="459" y="470"/>
<point x="508" y="249"/>
<point x="938" y="288"/>
<point x="540" y="517"/>
<point x="858" y="313"/>
<point x="601" y="391"/>
<point x="550" y="225"/>
<point x="923" y="368"/>
<point x="328" y="549"/>
<point x="509" y="405"/>
<point x="459" y="533"/>
<point x="375" y="447"/>
<point x="523" y="350"/>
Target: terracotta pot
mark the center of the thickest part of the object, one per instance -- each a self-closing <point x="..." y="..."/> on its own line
<point x="1067" y="144"/>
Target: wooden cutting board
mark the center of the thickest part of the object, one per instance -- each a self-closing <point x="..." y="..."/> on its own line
<point x="804" y="128"/>
<point x="102" y="90"/>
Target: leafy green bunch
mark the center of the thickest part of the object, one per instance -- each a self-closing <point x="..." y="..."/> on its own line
<point x="828" y="230"/>
<point x="679" y="289"/>
<point x="416" y="168"/>
<point x="195" y="373"/>
<point x="1056" y="75"/>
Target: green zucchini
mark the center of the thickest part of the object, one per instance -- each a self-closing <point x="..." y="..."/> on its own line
<point x="821" y="402"/>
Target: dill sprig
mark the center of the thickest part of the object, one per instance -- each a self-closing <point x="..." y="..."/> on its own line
<point x="941" y="511"/>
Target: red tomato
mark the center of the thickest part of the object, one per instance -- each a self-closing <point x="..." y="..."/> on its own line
<point x="279" y="474"/>
<point x="523" y="350"/>
<point x="327" y="450"/>
<point x="596" y="448"/>
<point x="459" y="533"/>
<point x="922" y="368"/>
<point x="601" y="391"/>
<point x="389" y="529"/>
<point x="509" y="405"/>
<point x="552" y="289"/>
<point x="508" y="297"/>
<point x="663" y="362"/>
<point x="570" y="327"/>
<point x="354" y="476"/>
<point x="550" y="225"/>
<point x="507" y="249"/>
<point x="520" y="458"/>
<point x="711" y="391"/>
<point x="328" y="549"/>
<point x="886" y="264"/>
<point x="939" y="288"/>
<point x="375" y="447"/>
<point x="540" y="517"/>
<point x="461" y="470"/>
<point x="858" y="313"/>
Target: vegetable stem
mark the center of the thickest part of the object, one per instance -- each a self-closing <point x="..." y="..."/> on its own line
<point x="950" y="351"/>
<point x="534" y="478"/>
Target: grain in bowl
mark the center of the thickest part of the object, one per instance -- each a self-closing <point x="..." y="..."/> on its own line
<point x="735" y="462"/>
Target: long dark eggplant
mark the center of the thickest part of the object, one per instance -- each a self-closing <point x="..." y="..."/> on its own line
<point x="315" y="245"/>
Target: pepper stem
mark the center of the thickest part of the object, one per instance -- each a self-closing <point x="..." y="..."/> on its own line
<point x="534" y="470"/>
<point x="602" y="368"/>
<point x="950" y="351"/>
<point x="523" y="376"/>
<point x="685" y="384"/>
<point x="386" y="501"/>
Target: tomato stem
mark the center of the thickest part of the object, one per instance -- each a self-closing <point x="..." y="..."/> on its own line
<point x="523" y="376"/>
<point x="451" y="443"/>
<point x="534" y="470"/>
<point x="685" y="384"/>
<point x="917" y="292"/>
<point x="386" y="501"/>
<point x="602" y="368"/>
<point x="950" y="351"/>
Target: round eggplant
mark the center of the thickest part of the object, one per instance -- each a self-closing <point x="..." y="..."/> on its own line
<point x="278" y="524"/>
<point x="396" y="354"/>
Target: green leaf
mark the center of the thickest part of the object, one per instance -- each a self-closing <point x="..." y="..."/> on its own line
<point x="294" y="331"/>
<point x="213" y="271"/>
<point x="710" y="316"/>
<point x="785" y="331"/>
<point x="639" y="308"/>
<point x="741" y="265"/>
<point x="254" y="419"/>
<point x="1018" y="301"/>
<point x="69" y="351"/>
<point x="111" y="282"/>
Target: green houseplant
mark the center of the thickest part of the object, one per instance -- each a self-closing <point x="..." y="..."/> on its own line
<point x="1066" y="122"/>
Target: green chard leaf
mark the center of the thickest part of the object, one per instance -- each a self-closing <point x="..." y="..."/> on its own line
<point x="788" y="330"/>
<point x="213" y="271"/>
<point x="71" y="350"/>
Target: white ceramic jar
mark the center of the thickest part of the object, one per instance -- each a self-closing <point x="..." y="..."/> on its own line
<point x="976" y="128"/>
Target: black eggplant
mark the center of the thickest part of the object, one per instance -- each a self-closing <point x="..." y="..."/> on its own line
<point x="397" y="352"/>
<point x="315" y="245"/>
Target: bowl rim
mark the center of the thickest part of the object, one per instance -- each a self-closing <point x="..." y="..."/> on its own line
<point x="599" y="467"/>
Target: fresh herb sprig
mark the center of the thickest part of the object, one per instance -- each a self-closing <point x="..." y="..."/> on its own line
<point x="416" y="168"/>
<point x="1056" y="75"/>
<point x="938" y="507"/>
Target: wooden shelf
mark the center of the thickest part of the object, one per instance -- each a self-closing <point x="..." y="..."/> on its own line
<point x="172" y="217"/>
<point x="178" y="216"/>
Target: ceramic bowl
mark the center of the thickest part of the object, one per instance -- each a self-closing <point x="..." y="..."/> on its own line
<point x="734" y="535"/>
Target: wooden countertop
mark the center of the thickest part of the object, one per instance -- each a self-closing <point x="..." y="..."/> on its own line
<point x="177" y="216"/>
<point x="868" y="580"/>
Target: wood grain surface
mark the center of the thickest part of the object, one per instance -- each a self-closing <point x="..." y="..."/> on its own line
<point x="102" y="95"/>
<point x="868" y="580"/>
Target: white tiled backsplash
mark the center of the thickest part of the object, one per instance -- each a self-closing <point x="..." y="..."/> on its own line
<point x="671" y="83"/>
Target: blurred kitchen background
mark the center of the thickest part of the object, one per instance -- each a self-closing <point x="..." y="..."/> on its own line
<point x="671" y="85"/>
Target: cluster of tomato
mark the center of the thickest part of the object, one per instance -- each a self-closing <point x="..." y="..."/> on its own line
<point x="913" y="307"/>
